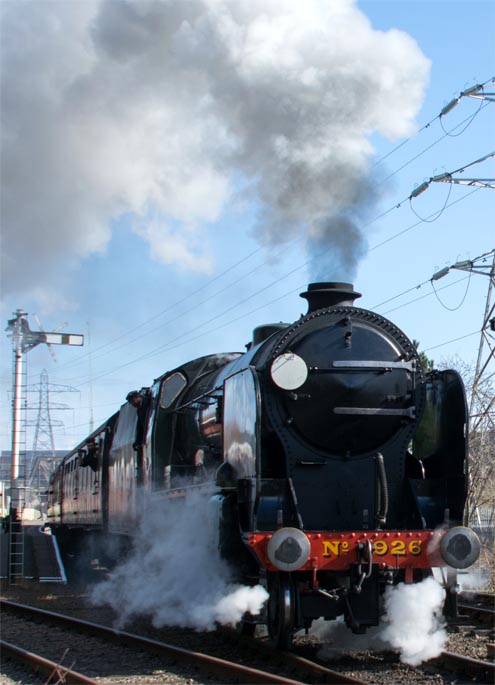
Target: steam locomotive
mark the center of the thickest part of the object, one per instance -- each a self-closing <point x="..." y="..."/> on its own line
<point x="339" y="463"/>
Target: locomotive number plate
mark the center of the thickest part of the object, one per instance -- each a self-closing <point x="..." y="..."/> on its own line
<point x="399" y="549"/>
<point x="381" y="548"/>
<point x="340" y="551"/>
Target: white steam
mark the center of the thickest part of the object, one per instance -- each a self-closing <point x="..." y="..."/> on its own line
<point x="175" y="574"/>
<point x="162" y="110"/>
<point x="473" y="579"/>
<point x="415" y="621"/>
<point x="413" y="625"/>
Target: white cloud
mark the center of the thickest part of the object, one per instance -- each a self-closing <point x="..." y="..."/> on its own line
<point x="153" y="107"/>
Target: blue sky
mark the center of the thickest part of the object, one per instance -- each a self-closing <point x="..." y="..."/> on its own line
<point x="153" y="196"/>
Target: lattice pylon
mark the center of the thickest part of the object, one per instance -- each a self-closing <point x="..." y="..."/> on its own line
<point x="43" y="435"/>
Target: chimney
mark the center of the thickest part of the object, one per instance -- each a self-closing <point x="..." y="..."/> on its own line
<point x="322" y="295"/>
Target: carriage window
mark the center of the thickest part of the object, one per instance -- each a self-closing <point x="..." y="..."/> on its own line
<point x="171" y="388"/>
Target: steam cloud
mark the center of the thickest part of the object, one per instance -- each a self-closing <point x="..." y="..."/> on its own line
<point x="415" y="620"/>
<point x="413" y="625"/>
<point x="175" y="574"/>
<point x="163" y="111"/>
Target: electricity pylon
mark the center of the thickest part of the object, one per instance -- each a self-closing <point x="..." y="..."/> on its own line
<point x="485" y="370"/>
<point x="43" y="434"/>
<point x="482" y="399"/>
<point x="44" y="458"/>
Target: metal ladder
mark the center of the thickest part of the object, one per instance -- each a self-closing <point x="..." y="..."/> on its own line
<point x="18" y="493"/>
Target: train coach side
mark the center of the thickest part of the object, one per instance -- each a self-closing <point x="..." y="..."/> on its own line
<point x="78" y="489"/>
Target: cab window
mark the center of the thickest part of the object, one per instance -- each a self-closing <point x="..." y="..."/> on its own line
<point x="171" y="388"/>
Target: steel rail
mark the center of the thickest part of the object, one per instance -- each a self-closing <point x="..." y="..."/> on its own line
<point x="320" y="672"/>
<point x="483" y="616"/>
<point x="38" y="663"/>
<point x="204" y="661"/>
<point x="303" y="666"/>
<point x="459" y="663"/>
<point x="484" y="599"/>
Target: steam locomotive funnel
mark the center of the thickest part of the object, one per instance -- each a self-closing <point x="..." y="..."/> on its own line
<point x="321" y="295"/>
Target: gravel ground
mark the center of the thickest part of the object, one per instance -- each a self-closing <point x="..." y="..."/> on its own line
<point x="95" y="658"/>
<point x="379" y="669"/>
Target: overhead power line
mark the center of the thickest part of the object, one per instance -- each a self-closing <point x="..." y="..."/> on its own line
<point x="185" y="337"/>
<point x="476" y="91"/>
<point x="482" y="400"/>
<point x="449" y="178"/>
<point x="485" y="266"/>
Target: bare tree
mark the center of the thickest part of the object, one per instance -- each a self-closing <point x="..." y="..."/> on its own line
<point x="480" y="504"/>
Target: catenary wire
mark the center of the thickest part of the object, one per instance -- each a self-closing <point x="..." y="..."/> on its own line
<point x="256" y="251"/>
<point x="453" y="309"/>
<point x="301" y="266"/>
<point x="179" y="340"/>
<point x="425" y="126"/>
<point x="197" y="304"/>
<point x="424" y="151"/>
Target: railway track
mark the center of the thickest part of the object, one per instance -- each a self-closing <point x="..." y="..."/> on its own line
<point x="54" y="671"/>
<point x="282" y="667"/>
<point x="485" y="600"/>
<point x="207" y="665"/>
<point x="479" y="608"/>
<point x="477" y="616"/>
<point x="474" y="669"/>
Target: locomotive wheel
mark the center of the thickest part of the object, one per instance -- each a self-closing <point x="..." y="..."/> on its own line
<point x="281" y="610"/>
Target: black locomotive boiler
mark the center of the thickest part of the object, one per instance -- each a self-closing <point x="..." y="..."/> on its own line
<point x="340" y="465"/>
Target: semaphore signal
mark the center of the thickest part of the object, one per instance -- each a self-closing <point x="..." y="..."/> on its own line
<point x="23" y="340"/>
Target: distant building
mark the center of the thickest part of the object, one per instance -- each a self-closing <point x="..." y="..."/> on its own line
<point x="38" y="467"/>
<point x="31" y="461"/>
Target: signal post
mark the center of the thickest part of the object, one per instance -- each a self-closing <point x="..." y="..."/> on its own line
<point x="23" y="340"/>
